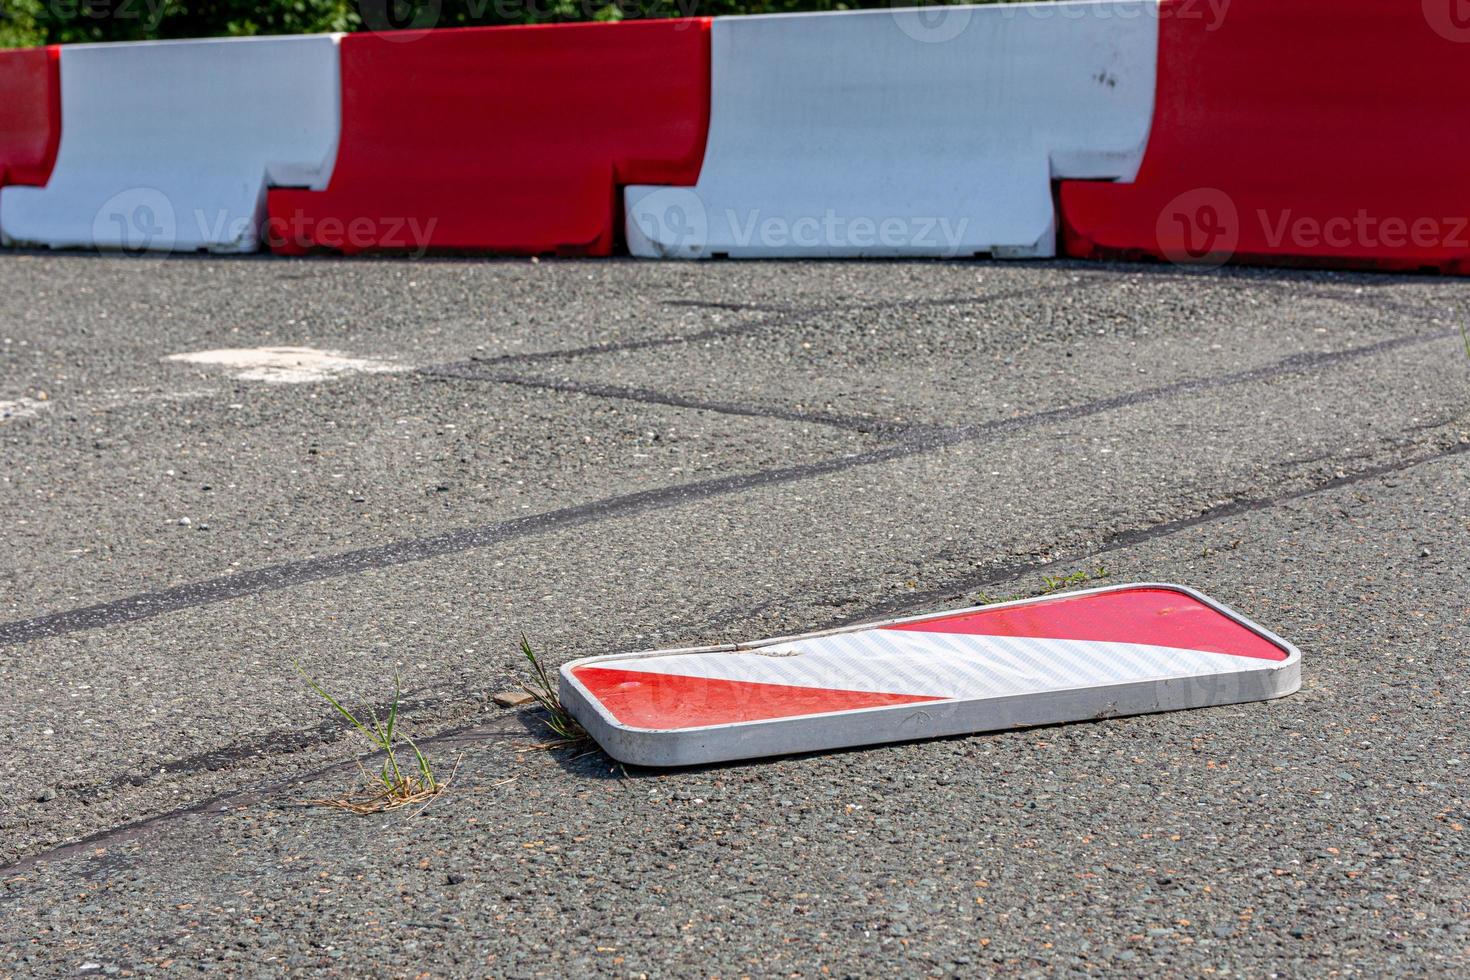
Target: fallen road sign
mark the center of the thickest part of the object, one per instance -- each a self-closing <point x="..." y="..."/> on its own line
<point x="1099" y="653"/>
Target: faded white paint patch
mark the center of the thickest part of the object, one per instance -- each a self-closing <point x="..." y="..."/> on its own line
<point x="24" y="408"/>
<point x="286" y="365"/>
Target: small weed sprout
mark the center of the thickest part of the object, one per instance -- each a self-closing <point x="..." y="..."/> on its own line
<point x="1049" y="585"/>
<point x="541" y="687"/>
<point x="1076" y="578"/>
<point x="393" y="786"/>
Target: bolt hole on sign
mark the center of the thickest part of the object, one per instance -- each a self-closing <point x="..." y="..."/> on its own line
<point x="1078" y="656"/>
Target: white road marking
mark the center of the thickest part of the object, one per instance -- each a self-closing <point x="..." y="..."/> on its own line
<point x="287" y="365"/>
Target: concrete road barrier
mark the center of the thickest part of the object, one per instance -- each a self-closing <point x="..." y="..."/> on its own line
<point x="1320" y="132"/>
<point x="30" y="115"/>
<point x="506" y="139"/>
<point x="908" y="132"/>
<point x="171" y="145"/>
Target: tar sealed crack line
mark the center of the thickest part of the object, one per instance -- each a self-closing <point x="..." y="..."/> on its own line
<point x="285" y="575"/>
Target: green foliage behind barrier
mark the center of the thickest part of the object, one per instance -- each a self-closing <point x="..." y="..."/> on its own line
<point x="29" y="22"/>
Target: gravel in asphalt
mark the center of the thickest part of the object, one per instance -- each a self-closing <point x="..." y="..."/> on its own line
<point x="613" y="455"/>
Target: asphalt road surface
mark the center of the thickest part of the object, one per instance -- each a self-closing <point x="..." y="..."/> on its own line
<point x="610" y="456"/>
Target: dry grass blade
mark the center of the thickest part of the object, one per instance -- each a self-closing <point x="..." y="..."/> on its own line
<point x="562" y="724"/>
<point x="405" y="793"/>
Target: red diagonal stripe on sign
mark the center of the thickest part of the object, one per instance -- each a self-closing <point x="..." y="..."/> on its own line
<point x="1161" y="617"/>
<point x="645" y="700"/>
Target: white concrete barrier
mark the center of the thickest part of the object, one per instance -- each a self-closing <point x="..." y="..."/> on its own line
<point x="170" y="145"/>
<point x="923" y="132"/>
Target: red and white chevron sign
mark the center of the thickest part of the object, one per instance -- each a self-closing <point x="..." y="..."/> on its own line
<point x="1101" y="653"/>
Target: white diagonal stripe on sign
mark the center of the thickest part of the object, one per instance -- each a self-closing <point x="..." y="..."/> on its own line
<point x="949" y="665"/>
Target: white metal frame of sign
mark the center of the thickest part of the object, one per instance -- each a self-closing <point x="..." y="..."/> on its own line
<point x="1093" y="654"/>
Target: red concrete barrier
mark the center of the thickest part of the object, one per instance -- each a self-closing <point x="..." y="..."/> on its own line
<point x="509" y="140"/>
<point x="1318" y="132"/>
<point x="30" y="115"/>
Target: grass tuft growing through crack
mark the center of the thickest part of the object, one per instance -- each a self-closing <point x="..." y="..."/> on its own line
<point x="1076" y="578"/>
<point x="1050" y="584"/>
<point x="541" y="687"/>
<point x="395" y="785"/>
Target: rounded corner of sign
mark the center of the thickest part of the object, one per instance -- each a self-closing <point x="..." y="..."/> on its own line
<point x="622" y="741"/>
<point x="653" y="748"/>
<point x="1293" y="653"/>
<point x="1288" y="674"/>
<point x="566" y="669"/>
<point x="1293" y="656"/>
<point x="1188" y="591"/>
<point x="1193" y="593"/>
<point x="574" y="692"/>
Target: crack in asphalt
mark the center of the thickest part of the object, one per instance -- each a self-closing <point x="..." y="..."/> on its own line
<point x="472" y="371"/>
<point x="1005" y="574"/>
<point x="779" y="316"/>
<point x="271" y="578"/>
<point x="244" y="797"/>
<point x="912" y="602"/>
<point x="775" y="315"/>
